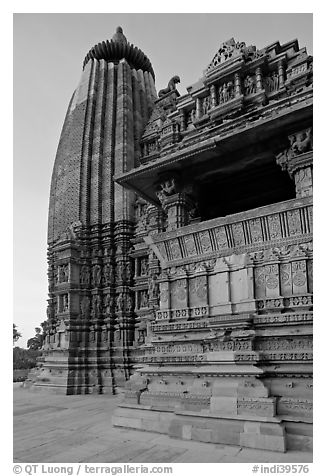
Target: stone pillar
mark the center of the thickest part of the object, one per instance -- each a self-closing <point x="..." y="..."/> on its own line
<point x="198" y="108"/>
<point x="237" y="85"/>
<point x="183" y="125"/>
<point x="177" y="201"/>
<point x="213" y="95"/>
<point x="259" y="79"/>
<point x="177" y="208"/>
<point x="297" y="160"/>
<point x="280" y="74"/>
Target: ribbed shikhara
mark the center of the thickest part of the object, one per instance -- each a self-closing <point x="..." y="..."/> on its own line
<point x="100" y="138"/>
<point x="91" y="222"/>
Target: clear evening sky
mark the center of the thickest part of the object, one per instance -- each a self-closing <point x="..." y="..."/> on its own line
<point x="49" y="50"/>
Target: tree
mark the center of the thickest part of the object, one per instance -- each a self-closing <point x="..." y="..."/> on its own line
<point x="36" y="342"/>
<point x="16" y="334"/>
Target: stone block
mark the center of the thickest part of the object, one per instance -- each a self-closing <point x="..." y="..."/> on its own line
<point x="228" y="436"/>
<point x="155" y="425"/>
<point x="201" y="434"/>
<point x="186" y="432"/>
<point x="224" y="405"/>
<point x="263" y="442"/>
<point x="127" y="422"/>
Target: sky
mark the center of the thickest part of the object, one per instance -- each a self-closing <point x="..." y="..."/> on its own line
<point x="48" y="54"/>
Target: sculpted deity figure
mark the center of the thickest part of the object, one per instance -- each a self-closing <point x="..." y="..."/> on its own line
<point x="65" y="270"/>
<point x="128" y="303"/>
<point x="143" y="299"/>
<point x="97" y="305"/>
<point x="143" y="267"/>
<point x="84" y="275"/>
<point x="84" y="306"/>
<point x="120" y="302"/>
<point x="153" y="289"/>
<point x="65" y="302"/>
<point x="97" y="275"/>
<point x="206" y="104"/>
<point x="249" y="85"/>
<point x="108" y="274"/>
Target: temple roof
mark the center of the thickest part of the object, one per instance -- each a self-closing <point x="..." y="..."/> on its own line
<point x="119" y="48"/>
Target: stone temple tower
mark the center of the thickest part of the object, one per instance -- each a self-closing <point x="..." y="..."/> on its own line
<point x="91" y="221"/>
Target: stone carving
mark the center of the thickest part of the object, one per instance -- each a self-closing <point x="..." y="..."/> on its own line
<point x="96" y="306"/>
<point x="128" y="303"/>
<point x="143" y="266"/>
<point x="108" y="273"/>
<point x="153" y="288"/>
<point x="97" y="275"/>
<point x="230" y="49"/>
<point x="226" y="92"/>
<point x="143" y="299"/>
<point x="300" y="143"/>
<point x="170" y="87"/>
<point x="108" y="304"/>
<point x="141" y="214"/>
<point x="120" y="303"/>
<point x="167" y="188"/>
<point x="65" y="302"/>
<point x="206" y="105"/>
<point x="84" y="307"/>
<point x="249" y="84"/>
<point x="271" y="82"/>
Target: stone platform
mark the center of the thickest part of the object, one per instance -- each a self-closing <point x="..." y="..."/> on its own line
<point x="74" y="429"/>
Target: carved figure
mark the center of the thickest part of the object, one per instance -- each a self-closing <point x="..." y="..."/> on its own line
<point x="143" y="299"/>
<point x="128" y="303"/>
<point x="249" y="84"/>
<point x="143" y="267"/>
<point x="168" y="188"/>
<point x="120" y="303"/>
<point x="301" y="142"/>
<point x="206" y="104"/>
<point x="97" y="275"/>
<point x="153" y="289"/>
<point x="170" y="87"/>
<point x="84" y="306"/>
<point x="65" y="270"/>
<point x="225" y="92"/>
<point x="272" y="82"/>
<point x="84" y="275"/>
<point x="65" y="303"/>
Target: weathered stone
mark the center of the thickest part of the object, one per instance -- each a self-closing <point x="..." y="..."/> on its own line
<point x="197" y="301"/>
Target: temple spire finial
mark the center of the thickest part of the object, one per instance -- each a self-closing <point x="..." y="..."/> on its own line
<point x="119" y="37"/>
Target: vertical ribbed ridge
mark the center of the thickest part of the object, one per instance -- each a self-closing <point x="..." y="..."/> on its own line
<point x="109" y="146"/>
<point x="124" y="149"/>
<point x="143" y="98"/>
<point x="86" y="157"/>
<point x="97" y="146"/>
<point x="137" y="113"/>
<point x="148" y="88"/>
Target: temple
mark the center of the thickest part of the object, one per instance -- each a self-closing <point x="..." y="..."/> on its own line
<point x="180" y="246"/>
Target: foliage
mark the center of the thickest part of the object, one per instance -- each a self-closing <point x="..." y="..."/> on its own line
<point x="36" y="342"/>
<point x="25" y="358"/>
<point x="16" y="334"/>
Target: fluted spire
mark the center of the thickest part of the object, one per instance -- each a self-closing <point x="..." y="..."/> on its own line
<point x="119" y="48"/>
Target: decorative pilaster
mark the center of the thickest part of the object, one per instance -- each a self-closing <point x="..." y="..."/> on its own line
<point x="237" y="85"/>
<point x="259" y="79"/>
<point x="177" y="201"/>
<point x="213" y="95"/>
<point x="280" y="68"/>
